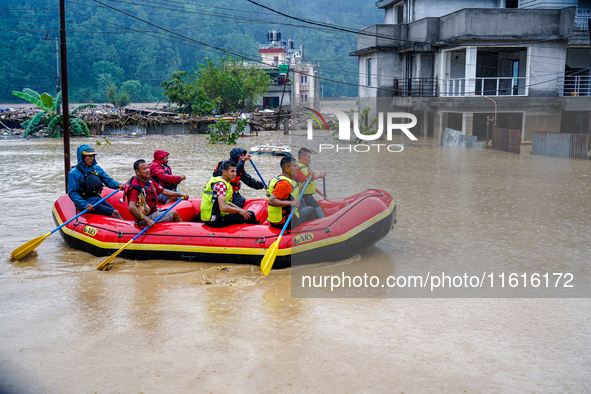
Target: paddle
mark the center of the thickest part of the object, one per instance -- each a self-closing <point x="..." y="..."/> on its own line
<point x="257" y="170"/>
<point x="111" y="257"/>
<point x="27" y="248"/>
<point x="324" y="183"/>
<point x="269" y="257"/>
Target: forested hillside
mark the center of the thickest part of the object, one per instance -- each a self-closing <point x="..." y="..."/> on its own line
<point x="140" y="43"/>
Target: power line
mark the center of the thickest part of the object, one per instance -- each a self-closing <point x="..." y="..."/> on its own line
<point x="219" y="15"/>
<point x="223" y="50"/>
<point x="255" y="60"/>
<point x="221" y="8"/>
<point x="243" y="55"/>
<point x="216" y="47"/>
<point x="361" y="32"/>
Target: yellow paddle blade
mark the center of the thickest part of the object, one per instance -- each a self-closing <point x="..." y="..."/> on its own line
<point x="27" y="248"/>
<point x="111" y="257"/>
<point x="269" y="259"/>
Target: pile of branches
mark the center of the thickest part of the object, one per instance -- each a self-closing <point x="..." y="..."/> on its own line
<point x="98" y="118"/>
<point x="265" y="120"/>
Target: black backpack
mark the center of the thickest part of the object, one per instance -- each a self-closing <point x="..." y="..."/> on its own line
<point x="91" y="186"/>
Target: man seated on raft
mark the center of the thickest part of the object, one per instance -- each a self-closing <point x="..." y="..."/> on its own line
<point x="217" y="208"/>
<point x="85" y="184"/>
<point x="161" y="173"/>
<point x="142" y="193"/>
<point x="302" y="174"/>
<point x="283" y="194"/>
<point x="239" y="156"/>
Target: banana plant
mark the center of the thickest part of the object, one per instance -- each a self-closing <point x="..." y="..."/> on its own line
<point x="50" y="118"/>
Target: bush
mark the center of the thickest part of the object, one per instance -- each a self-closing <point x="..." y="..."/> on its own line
<point x="221" y="131"/>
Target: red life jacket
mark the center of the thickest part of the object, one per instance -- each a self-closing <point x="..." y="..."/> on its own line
<point x="147" y="191"/>
<point x="235" y="183"/>
<point x="167" y="171"/>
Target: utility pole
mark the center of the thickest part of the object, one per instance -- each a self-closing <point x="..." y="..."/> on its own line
<point x="284" y="77"/>
<point x="65" y="103"/>
<point x="57" y="62"/>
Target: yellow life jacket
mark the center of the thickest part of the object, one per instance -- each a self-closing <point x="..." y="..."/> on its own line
<point x="311" y="189"/>
<point x="279" y="214"/>
<point x="208" y="205"/>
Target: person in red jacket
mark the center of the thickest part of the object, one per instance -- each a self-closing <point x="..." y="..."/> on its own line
<point x="162" y="174"/>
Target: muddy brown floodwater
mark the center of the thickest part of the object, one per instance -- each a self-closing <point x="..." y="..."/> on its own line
<point x="170" y="326"/>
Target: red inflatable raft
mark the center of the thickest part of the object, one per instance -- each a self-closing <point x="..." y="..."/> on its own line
<point x="351" y="225"/>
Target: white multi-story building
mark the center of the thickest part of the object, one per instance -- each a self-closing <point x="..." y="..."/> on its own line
<point x="530" y="60"/>
<point x="301" y="89"/>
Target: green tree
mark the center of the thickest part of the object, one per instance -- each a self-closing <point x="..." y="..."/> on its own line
<point x="132" y="88"/>
<point x="184" y="90"/>
<point x="115" y="72"/>
<point x="226" y="85"/>
<point x="117" y="97"/>
<point x="235" y="84"/>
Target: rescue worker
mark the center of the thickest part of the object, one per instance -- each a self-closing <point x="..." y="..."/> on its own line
<point x="142" y="193"/>
<point x="85" y="184"/>
<point x="302" y="173"/>
<point x="239" y="157"/>
<point x="217" y="208"/>
<point x="161" y="173"/>
<point x="283" y="195"/>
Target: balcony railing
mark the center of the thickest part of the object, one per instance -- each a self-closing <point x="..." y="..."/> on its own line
<point x="304" y="86"/>
<point x="417" y="87"/>
<point x="488" y="86"/>
<point x="581" y="19"/>
<point x="574" y="85"/>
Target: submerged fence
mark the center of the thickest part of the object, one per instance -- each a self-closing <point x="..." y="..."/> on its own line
<point x="573" y="146"/>
<point x="506" y="140"/>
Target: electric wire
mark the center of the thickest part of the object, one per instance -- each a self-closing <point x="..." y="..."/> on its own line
<point x="242" y="55"/>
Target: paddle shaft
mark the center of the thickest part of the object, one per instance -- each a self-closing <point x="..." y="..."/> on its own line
<point x="83" y="212"/>
<point x="101" y="265"/>
<point x="324" y="186"/>
<point x="257" y="170"/>
<point x="269" y="257"/>
<point x="295" y="209"/>
<point x="28" y="247"/>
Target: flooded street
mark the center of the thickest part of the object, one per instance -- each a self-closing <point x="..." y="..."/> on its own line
<point x="169" y="326"/>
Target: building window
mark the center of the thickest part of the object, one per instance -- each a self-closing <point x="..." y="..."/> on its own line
<point x="399" y="11"/>
<point x="303" y="79"/>
<point x="276" y="60"/>
<point x="368" y="72"/>
<point x="511" y="3"/>
<point x="303" y="98"/>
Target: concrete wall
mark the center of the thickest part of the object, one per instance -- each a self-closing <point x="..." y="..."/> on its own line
<point x="547" y="62"/>
<point x="547" y="3"/>
<point x="377" y="36"/>
<point x="167" y="128"/>
<point x="428" y="8"/>
<point x="425" y="30"/>
<point x="457" y="64"/>
<point x="540" y="122"/>
<point x="505" y="24"/>
<point x="386" y="65"/>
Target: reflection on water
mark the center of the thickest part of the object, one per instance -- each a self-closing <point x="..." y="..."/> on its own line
<point x="165" y="325"/>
